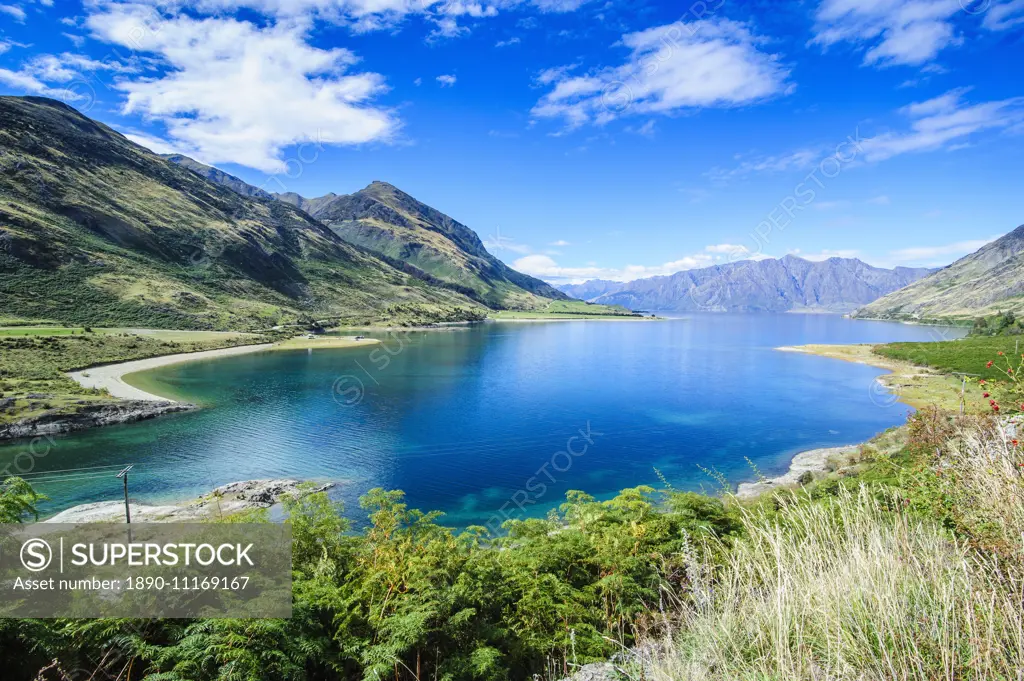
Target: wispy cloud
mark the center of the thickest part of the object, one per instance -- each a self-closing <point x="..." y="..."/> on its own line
<point x="709" y="63"/>
<point x="446" y="80"/>
<point x="891" y="31"/>
<point x="514" y="40"/>
<point x="547" y="268"/>
<point x="942" y="122"/>
<point x="826" y="254"/>
<point x="1004" y="15"/>
<point x="930" y="256"/>
<point x="945" y="122"/>
<point x="14" y="11"/>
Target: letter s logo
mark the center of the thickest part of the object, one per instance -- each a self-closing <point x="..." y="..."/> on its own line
<point x="36" y="555"/>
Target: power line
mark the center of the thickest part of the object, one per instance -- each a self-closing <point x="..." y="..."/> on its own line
<point x="118" y="466"/>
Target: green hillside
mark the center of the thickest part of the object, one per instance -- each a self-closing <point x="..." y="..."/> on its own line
<point x="97" y="230"/>
<point x="986" y="282"/>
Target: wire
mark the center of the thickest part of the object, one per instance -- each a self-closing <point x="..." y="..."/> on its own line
<point x="72" y="470"/>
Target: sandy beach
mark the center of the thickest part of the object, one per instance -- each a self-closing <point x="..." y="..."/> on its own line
<point x="110" y="377"/>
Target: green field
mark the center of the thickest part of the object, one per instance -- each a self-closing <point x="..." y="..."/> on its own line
<point x="33" y="367"/>
<point x="968" y="355"/>
<point x="569" y="309"/>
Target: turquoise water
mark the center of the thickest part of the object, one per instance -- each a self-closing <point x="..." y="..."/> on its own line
<point x="473" y="421"/>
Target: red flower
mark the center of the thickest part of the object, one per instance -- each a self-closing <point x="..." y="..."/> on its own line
<point x="1015" y="443"/>
<point x="995" y="407"/>
<point x="1000" y="353"/>
<point x="985" y="395"/>
<point x="989" y="365"/>
<point x="981" y="382"/>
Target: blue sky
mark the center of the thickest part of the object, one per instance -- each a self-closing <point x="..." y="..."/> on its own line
<point x="614" y="139"/>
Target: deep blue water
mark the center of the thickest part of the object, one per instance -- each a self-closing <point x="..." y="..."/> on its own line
<point x="472" y="420"/>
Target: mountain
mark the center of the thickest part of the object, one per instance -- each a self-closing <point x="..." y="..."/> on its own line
<point x="219" y="176"/>
<point x="771" y="285"/>
<point x="95" y="229"/>
<point x="387" y="221"/>
<point x="987" y="281"/>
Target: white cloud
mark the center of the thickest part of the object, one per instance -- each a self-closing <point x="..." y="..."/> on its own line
<point x="498" y="242"/>
<point x="937" y="255"/>
<point x="715" y="62"/>
<point x="446" y="80"/>
<point x="796" y="160"/>
<point x="547" y="268"/>
<point x="13" y="11"/>
<point x="514" y="40"/>
<point x="21" y="80"/>
<point x="882" y="200"/>
<point x="560" y="242"/>
<point x="236" y="92"/>
<point x="907" y="32"/>
<point x="154" y="144"/>
<point x="893" y="31"/>
<point x="830" y="205"/>
<point x="942" y="123"/>
<point x="646" y="130"/>
<point x="4" y="46"/>
<point x="826" y="254"/>
<point x="1004" y="15"/>
<point x="76" y="40"/>
<point x="361" y="16"/>
<point x="945" y="123"/>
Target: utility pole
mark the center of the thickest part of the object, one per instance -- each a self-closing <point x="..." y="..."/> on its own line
<point x="963" y="389"/>
<point x="127" y="509"/>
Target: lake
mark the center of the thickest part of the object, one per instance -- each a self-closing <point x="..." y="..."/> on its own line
<point x="499" y="419"/>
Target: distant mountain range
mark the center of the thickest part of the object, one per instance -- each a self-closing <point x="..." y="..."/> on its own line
<point x="97" y="230"/>
<point x="788" y="284"/>
<point x="988" y="281"/>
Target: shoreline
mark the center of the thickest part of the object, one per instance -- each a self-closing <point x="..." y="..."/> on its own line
<point x="110" y="377"/>
<point x="808" y="465"/>
<point x="804" y="467"/>
<point x="915" y="386"/>
<point x="233" y="497"/>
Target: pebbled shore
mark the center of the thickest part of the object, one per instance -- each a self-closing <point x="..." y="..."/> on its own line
<point x="224" y="500"/>
<point x="804" y="467"/>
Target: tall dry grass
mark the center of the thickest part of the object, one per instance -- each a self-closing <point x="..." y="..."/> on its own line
<point x="856" y="588"/>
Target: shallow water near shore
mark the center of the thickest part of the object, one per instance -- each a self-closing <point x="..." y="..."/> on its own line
<point x="497" y="420"/>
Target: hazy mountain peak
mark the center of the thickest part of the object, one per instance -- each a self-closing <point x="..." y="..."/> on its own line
<point x="786" y="284"/>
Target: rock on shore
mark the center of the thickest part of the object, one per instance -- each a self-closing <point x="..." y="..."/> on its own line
<point x="224" y="500"/>
<point x="89" y="416"/>
<point x="804" y="467"/>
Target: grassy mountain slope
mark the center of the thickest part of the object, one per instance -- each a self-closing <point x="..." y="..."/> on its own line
<point x="386" y="220"/>
<point x="987" y="281"/>
<point x="409" y="234"/>
<point x="95" y="229"/>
